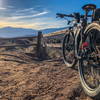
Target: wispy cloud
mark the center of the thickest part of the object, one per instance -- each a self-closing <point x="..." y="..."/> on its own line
<point x="6" y="8"/>
<point x="39" y="14"/>
<point x="42" y="23"/>
<point x="25" y="10"/>
<point x="28" y="16"/>
<point x="33" y="17"/>
<point x="3" y="8"/>
<point x="20" y="17"/>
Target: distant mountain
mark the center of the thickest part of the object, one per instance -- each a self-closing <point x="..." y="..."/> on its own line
<point x="15" y="32"/>
<point x="20" y="32"/>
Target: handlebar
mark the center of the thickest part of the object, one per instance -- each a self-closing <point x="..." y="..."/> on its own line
<point x="70" y="15"/>
<point x="64" y="15"/>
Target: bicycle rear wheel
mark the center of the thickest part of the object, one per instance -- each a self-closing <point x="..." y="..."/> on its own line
<point x="69" y="50"/>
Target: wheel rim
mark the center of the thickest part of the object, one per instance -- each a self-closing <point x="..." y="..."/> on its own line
<point x="91" y="75"/>
<point x="90" y="62"/>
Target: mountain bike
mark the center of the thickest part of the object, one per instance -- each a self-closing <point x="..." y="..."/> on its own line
<point x="82" y="43"/>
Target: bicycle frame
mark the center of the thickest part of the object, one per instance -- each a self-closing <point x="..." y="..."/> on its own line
<point x="78" y="33"/>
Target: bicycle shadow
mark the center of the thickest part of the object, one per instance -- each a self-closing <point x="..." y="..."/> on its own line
<point x="24" y="59"/>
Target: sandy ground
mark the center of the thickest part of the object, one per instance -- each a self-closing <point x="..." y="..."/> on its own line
<point x="23" y="78"/>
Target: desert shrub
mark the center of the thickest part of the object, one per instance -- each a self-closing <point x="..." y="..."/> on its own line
<point x="54" y="53"/>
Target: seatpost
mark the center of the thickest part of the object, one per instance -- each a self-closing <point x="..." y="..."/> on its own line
<point x="84" y="20"/>
<point x="86" y="14"/>
<point x="93" y="15"/>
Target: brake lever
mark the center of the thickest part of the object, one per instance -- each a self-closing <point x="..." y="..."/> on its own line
<point x="68" y="21"/>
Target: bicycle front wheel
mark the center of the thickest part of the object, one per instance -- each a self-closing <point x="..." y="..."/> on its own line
<point x="69" y="50"/>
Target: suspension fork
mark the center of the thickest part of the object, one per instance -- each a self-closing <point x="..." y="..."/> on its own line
<point x="78" y="40"/>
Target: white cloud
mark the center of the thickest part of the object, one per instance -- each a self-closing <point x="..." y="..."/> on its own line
<point x="39" y="14"/>
<point x="6" y="8"/>
<point x="29" y="18"/>
<point x="25" y="10"/>
<point x="2" y="8"/>
<point x="26" y="16"/>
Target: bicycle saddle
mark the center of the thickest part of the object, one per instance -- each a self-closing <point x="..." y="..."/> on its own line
<point x="89" y="7"/>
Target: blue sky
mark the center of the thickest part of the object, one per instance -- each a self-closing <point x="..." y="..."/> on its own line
<point x="38" y="14"/>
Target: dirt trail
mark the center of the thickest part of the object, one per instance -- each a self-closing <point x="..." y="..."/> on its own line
<point x="22" y="78"/>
